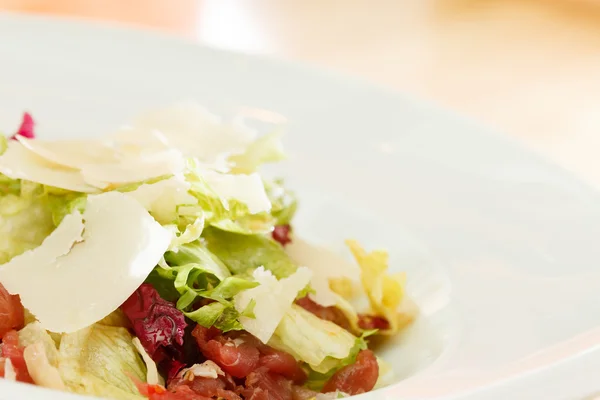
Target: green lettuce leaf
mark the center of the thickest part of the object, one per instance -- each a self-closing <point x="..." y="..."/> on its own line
<point x="323" y="345"/>
<point x="61" y="206"/>
<point x="222" y="313"/>
<point x="207" y="315"/>
<point x="244" y="253"/>
<point x="162" y="280"/>
<point x="316" y="379"/>
<point x="193" y="272"/>
<point x="196" y="253"/>
<point x="191" y="288"/>
<point x="225" y="290"/>
<point x="29" y="212"/>
<point x="227" y="214"/>
<point x="101" y="360"/>
<point x="25" y="219"/>
<point x="189" y="234"/>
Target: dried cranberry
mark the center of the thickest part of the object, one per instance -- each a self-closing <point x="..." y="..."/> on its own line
<point x="281" y="234"/>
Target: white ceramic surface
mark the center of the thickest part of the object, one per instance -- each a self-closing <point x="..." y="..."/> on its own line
<point x="500" y="247"/>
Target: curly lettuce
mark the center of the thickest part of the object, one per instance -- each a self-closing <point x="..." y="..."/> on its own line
<point x="386" y="292"/>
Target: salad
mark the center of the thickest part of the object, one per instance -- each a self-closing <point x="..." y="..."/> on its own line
<point x="156" y="262"/>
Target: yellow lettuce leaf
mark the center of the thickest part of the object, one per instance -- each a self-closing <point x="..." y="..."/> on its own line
<point x="40" y="368"/>
<point x="116" y="318"/>
<point x="34" y="333"/>
<point x="386" y="292"/>
<point x="101" y="360"/>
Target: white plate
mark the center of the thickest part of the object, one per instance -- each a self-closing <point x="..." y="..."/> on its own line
<point x="501" y="248"/>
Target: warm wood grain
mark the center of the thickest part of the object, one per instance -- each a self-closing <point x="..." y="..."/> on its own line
<point x="529" y="67"/>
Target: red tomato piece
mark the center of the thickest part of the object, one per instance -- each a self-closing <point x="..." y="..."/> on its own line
<point x="238" y="360"/>
<point x="276" y="361"/>
<point x="356" y="378"/>
<point x="220" y="387"/>
<point x="302" y="393"/>
<point x="269" y="373"/>
<point x="264" y="385"/>
<point x="332" y="314"/>
<point x="373" y="322"/>
<point x="12" y="350"/>
<point x="282" y="363"/>
<point x="11" y="312"/>
<point x="157" y="392"/>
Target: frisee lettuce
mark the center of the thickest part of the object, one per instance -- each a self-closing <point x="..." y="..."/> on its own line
<point x="228" y="214"/>
<point x="192" y="273"/>
<point x="385" y="291"/>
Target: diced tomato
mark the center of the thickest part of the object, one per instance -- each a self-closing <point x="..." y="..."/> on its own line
<point x="303" y="393"/>
<point x="269" y="373"/>
<point x="146" y="389"/>
<point x="12" y="350"/>
<point x="373" y="322"/>
<point x="221" y="387"/>
<point x="11" y="312"/>
<point x="207" y="387"/>
<point x="356" y="378"/>
<point x="237" y="360"/>
<point x="203" y="334"/>
<point x="264" y="385"/>
<point x="282" y="363"/>
<point x="157" y="392"/>
<point x="239" y="354"/>
<point x="332" y="314"/>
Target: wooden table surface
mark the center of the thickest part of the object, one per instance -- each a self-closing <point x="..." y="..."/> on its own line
<point x="530" y="68"/>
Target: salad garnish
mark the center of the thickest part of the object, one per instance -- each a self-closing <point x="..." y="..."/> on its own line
<point x="157" y="262"/>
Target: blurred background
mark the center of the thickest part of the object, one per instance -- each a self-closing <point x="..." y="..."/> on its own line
<point x="529" y="68"/>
